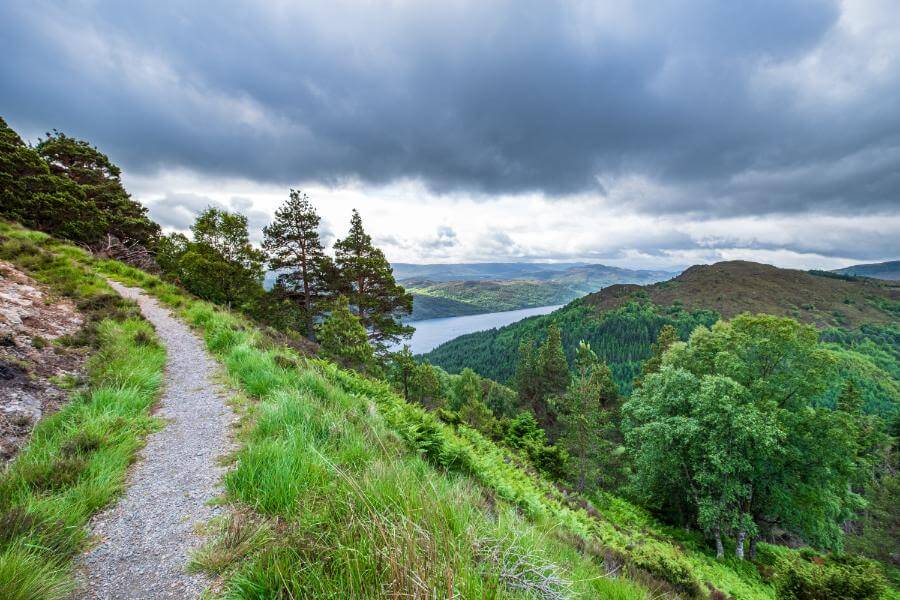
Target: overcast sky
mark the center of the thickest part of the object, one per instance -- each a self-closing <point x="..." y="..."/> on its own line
<point x="642" y="134"/>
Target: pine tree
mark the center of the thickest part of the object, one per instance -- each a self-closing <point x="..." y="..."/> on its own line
<point x="100" y="181"/>
<point x="554" y="370"/>
<point x="294" y="247"/>
<point x="667" y="336"/>
<point x="343" y="338"/>
<point x="585" y="416"/>
<point x="366" y="277"/>
<point x="466" y="389"/>
<point x="527" y="377"/>
<point x="405" y="367"/>
<point x="425" y="387"/>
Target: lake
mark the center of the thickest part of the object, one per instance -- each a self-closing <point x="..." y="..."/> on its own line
<point x="431" y="333"/>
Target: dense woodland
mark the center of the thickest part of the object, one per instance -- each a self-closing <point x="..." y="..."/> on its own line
<point x="752" y="429"/>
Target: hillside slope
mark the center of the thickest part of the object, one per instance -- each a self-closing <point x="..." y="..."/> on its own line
<point x="622" y="321"/>
<point x="885" y="270"/>
<point x="339" y="485"/>
<point x="733" y="287"/>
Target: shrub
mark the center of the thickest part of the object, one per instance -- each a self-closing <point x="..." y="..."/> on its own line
<point x="844" y="578"/>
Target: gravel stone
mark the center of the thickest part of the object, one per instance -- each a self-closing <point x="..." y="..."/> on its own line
<point x="147" y="538"/>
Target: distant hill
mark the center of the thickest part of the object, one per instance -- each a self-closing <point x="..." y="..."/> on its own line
<point x="476" y="271"/>
<point x="621" y="322"/>
<point x="535" y="285"/>
<point x="733" y="287"/>
<point x="885" y="270"/>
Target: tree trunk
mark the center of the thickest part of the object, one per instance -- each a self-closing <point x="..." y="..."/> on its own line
<point x="739" y="548"/>
<point x="753" y="541"/>
<point x="720" y="549"/>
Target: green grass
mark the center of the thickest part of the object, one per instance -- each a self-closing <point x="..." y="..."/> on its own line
<point x="75" y="463"/>
<point x="326" y="447"/>
<point x="333" y="498"/>
<point x="342" y="489"/>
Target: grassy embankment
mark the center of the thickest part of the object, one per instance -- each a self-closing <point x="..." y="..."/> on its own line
<point x="76" y="460"/>
<point x="342" y="489"/>
<point x="341" y="486"/>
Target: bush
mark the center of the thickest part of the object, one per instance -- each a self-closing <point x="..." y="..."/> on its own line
<point x="844" y="578"/>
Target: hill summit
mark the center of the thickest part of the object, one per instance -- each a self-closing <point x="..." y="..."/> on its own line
<point x="733" y="287"/>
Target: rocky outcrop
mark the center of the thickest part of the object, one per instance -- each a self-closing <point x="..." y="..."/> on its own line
<point x="35" y="369"/>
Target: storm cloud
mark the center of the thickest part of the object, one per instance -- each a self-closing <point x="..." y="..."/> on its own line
<point x="705" y="107"/>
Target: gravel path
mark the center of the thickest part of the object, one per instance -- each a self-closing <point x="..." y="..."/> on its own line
<point x="146" y="539"/>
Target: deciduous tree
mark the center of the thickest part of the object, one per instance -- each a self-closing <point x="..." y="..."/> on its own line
<point x="731" y="430"/>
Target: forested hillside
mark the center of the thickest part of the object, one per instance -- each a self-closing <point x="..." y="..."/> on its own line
<point x="621" y="322"/>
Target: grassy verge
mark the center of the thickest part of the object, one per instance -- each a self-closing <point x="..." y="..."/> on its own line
<point x="76" y="460"/>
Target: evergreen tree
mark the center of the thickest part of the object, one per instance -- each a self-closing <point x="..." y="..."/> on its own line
<point x="343" y="338"/>
<point x="425" y="387"/>
<point x="366" y="277"/>
<point x="100" y="181"/>
<point x="404" y="368"/>
<point x="466" y="389"/>
<point x="33" y="196"/>
<point x="295" y="249"/>
<point x="554" y="370"/>
<point x="527" y="378"/>
<point x="668" y="335"/>
<point x="585" y="416"/>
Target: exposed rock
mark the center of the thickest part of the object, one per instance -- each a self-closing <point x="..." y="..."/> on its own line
<point x="30" y="363"/>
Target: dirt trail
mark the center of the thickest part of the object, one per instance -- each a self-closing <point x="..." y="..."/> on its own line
<point x="146" y="539"/>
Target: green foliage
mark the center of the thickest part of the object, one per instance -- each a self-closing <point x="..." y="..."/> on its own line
<point x="366" y="278"/>
<point x="116" y="213"/>
<point x="220" y="264"/>
<point x="542" y="375"/>
<point x="343" y="338"/>
<point x="466" y="389"/>
<point x="727" y="434"/>
<point x="876" y="532"/>
<point x="76" y="460"/>
<point x="296" y="252"/>
<point x="622" y="339"/>
<point x="843" y="578"/>
<point x="585" y="418"/>
<point x="553" y="368"/>
<point x="77" y="196"/>
<point x="667" y="336"/>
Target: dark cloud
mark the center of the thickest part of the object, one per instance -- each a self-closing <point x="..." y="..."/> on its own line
<point x="706" y="100"/>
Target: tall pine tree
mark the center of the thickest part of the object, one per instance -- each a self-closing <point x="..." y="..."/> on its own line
<point x="295" y="249"/>
<point x="367" y="279"/>
<point x="585" y="417"/>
